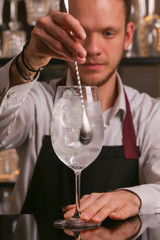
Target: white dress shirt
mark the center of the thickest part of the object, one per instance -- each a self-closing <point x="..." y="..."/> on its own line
<point x="25" y="116"/>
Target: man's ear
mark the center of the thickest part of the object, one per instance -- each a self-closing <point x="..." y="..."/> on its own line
<point x="129" y="35"/>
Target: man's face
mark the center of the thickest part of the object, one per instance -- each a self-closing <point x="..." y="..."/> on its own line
<point x="104" y="23"/>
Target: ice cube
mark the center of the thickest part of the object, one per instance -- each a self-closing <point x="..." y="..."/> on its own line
<point x="67" y="116"/>
<point x="71" y="94"/>
<point x="71" y="114"/>
<point x="71" y="137"/>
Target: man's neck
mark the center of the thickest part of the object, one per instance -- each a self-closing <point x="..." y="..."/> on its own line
<point x="108" y="93"/>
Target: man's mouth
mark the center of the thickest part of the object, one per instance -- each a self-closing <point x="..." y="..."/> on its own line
<point x="93" y="66"/>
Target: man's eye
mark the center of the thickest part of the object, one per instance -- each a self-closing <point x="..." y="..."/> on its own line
<point x="108" y="34"/>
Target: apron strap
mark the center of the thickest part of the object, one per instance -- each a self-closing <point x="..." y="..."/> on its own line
<point x="129" y="137"/>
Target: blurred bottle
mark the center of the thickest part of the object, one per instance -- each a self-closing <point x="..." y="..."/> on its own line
<point x="36" y="9"/>
<point x="138" y="12"/>
<point x="9" y="166"/>
<point x="13" y="37"/>
<point x="55" y="5"/>
<point x="149" y="32"/>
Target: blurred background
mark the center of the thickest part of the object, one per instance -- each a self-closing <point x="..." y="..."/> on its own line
<point x="139" y="68"/>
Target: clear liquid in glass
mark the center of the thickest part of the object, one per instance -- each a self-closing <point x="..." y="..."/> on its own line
<point x="67" y="120"/>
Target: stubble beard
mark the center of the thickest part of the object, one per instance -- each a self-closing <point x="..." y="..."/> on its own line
<point x="89" y="81"/>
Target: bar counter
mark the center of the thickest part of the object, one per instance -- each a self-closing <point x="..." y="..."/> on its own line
<point x="41" y="227"/>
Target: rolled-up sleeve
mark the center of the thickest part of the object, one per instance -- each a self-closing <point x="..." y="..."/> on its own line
<point x="11" y="101"/>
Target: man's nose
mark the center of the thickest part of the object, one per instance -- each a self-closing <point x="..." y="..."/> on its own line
<point x="92" y="45"/>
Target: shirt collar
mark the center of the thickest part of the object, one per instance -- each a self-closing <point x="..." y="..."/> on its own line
<point x="120" y="103"/>
<point x="119" y="107"/>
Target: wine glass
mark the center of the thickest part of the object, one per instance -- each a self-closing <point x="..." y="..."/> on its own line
<point x="66" y="125"/>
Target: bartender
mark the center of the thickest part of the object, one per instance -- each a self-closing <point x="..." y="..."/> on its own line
<point x="125" y="179"/>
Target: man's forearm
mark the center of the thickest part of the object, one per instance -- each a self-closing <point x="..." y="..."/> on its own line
<point x="19" y="73"/>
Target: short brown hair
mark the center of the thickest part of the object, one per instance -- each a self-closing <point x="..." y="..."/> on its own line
<point x="127" y="4"/>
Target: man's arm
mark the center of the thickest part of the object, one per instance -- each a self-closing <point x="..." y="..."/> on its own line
<point x="50" y="38"/>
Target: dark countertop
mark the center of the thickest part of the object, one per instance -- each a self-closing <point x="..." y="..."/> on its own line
<point x="41" y="227"/>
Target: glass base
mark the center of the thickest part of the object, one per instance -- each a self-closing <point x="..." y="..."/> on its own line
<point x="75" y="224"/>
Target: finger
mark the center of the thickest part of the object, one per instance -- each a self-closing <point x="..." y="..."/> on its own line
<point x="84" y="198"/>
<point x="69" y="22"/>
<point x="69" y="232"/>
<point x="87" y="200"/>
<point x="69" y="207"/>
<point x="90" y="235"/>
<point x="57" y="37"/>
<point x="52" y="47"/>
<point x="86" y="235"/>
<point x="113" y="207"/>
<point x="102" y="214"/>
<point x="96" y="203"/>
<point x="69" y="213"/>
<point x="80" y="60"/>
<point x="121" y="214"/>
<point x="101" y="232"/>
<point x="73" y="205"/>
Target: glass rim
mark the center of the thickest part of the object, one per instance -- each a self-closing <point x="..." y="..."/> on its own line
<point x="76" y="86"/>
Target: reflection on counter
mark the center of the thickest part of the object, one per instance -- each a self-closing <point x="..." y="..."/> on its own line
<point x="41" y="227"/>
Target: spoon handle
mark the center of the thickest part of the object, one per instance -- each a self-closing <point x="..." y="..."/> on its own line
<point x="78" y="79"/>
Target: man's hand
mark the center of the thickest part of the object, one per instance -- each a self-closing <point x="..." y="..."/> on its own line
<point x="56" y="35"/>
<point x="117" y="205"/>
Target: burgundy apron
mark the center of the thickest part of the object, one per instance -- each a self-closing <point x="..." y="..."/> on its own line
<point x="53" y="185"/>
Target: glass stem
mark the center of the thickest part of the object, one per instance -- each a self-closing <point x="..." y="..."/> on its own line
<point x="77" y="194"/>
